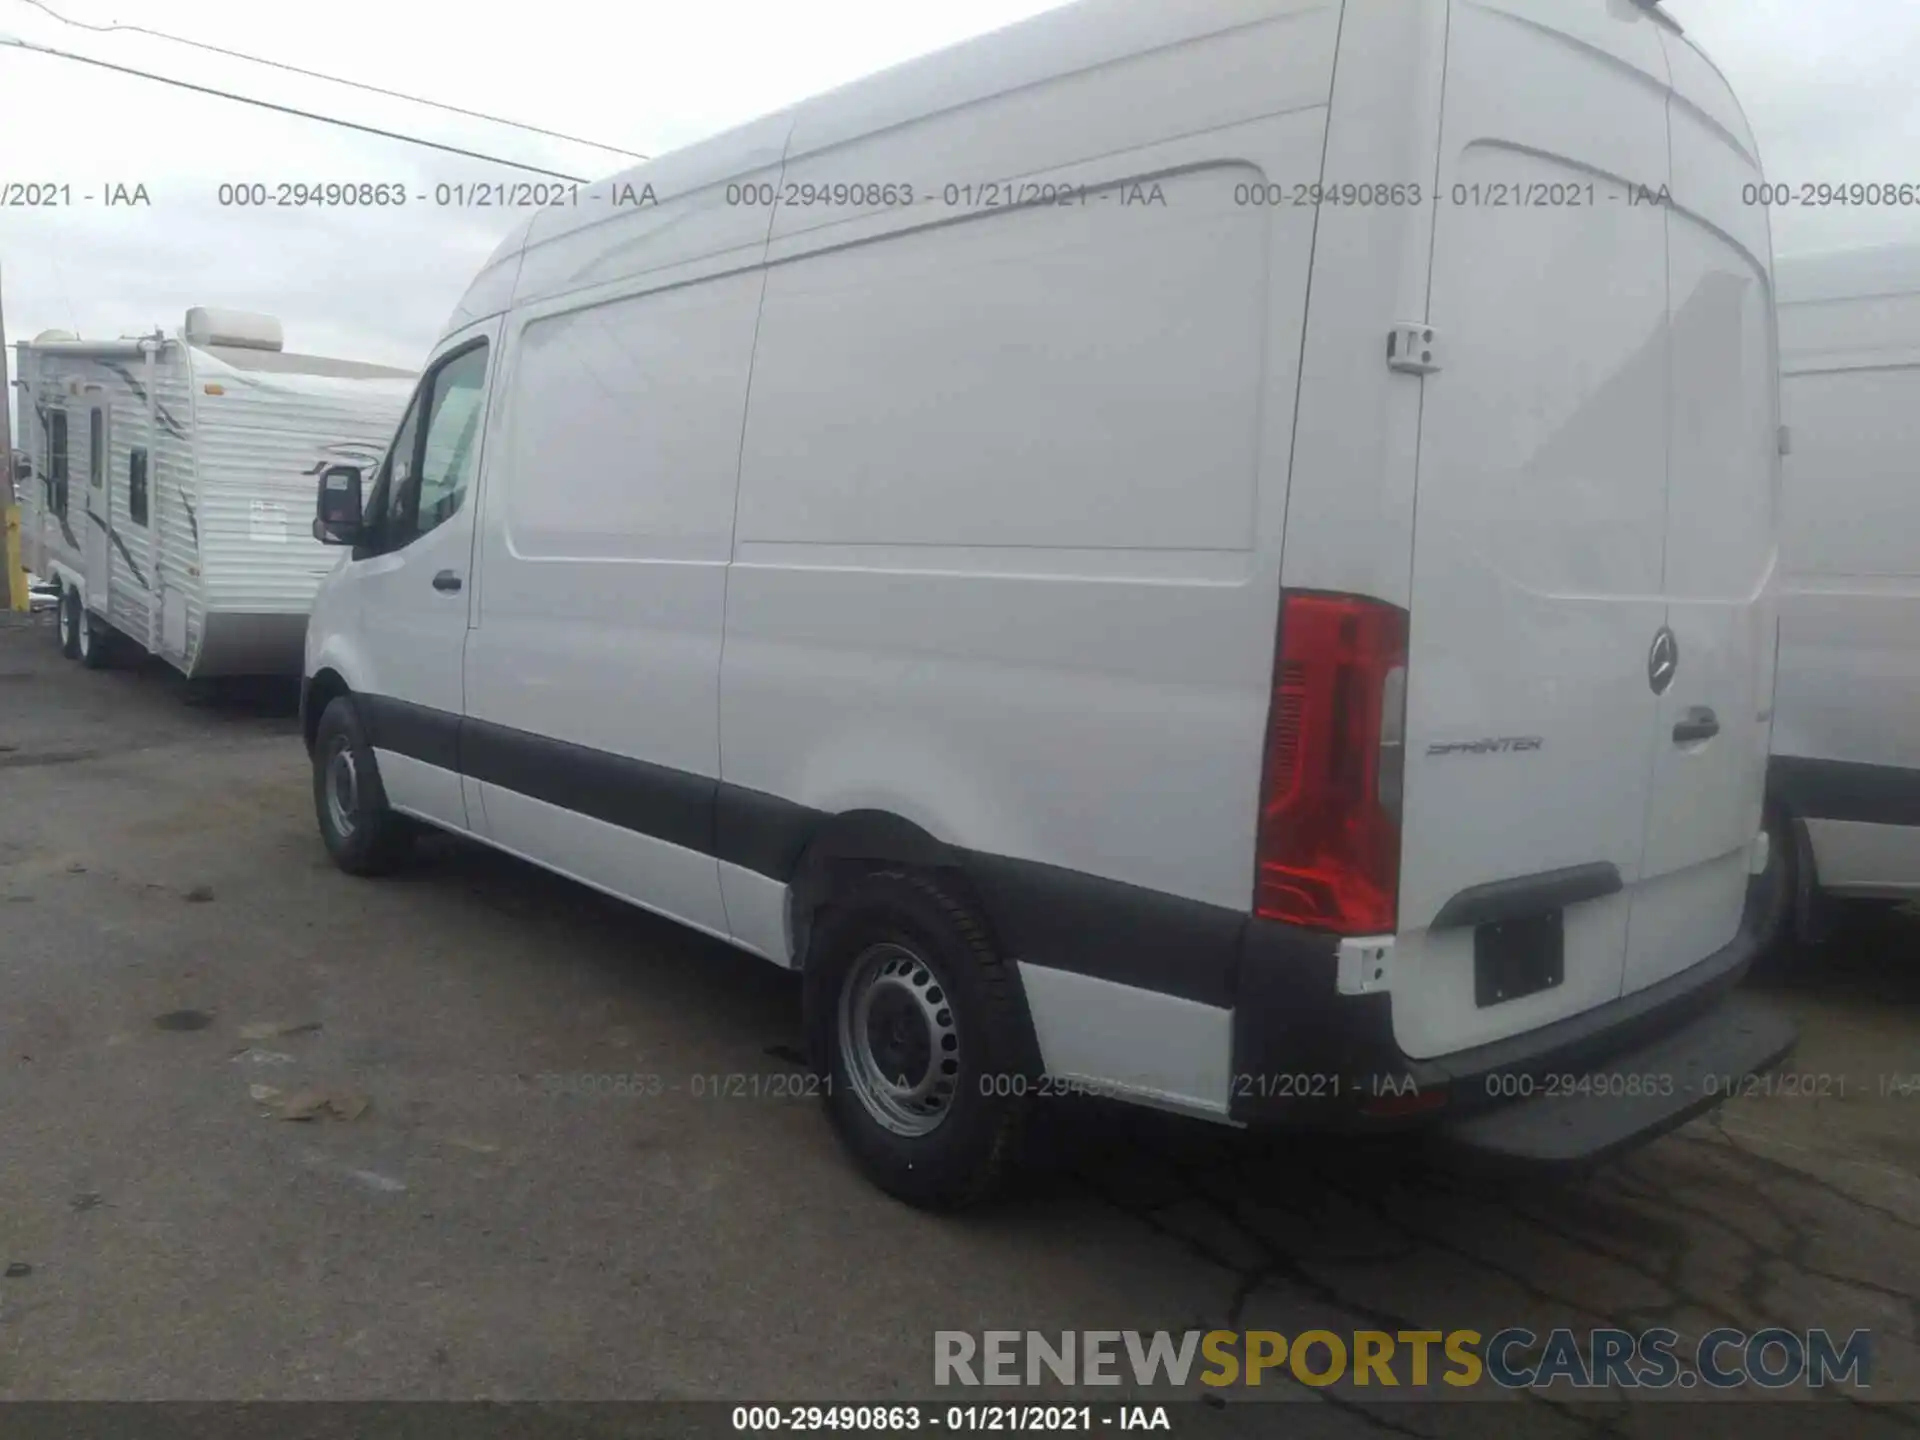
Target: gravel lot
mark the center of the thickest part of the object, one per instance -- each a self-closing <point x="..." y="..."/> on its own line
<point x="172" y="936"/>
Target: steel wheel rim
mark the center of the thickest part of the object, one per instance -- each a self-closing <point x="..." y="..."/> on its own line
<point x="341" y="781"/>
<point x="900" y="1040"/>
<point x="66" y="623"/>
<point x="83" y="629"/>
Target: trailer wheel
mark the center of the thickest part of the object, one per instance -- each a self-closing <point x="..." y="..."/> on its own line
<point x="914" y="1024"/>
<point x="361" y="833"/>
<point x="94" y="638"/>
<point x="67" y="622"/>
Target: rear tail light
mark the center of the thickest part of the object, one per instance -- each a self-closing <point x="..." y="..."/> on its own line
<point x="1328" y="849"/>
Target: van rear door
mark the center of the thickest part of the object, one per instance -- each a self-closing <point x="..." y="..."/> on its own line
<point x="1715" y="719"/>
<point x="1541" y="520"/>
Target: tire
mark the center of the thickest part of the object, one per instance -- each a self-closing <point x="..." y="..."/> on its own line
<point x="943" y="1011"/>
<point x="361" y="833"/>
<point x="67" y="622"/>
<point x="93" y="638"/>
<point x="1774" y="895"/>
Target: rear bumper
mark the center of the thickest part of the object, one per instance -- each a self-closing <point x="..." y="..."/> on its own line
<point x="1681" y="1074"/>
<point x="1572" y="1092"/>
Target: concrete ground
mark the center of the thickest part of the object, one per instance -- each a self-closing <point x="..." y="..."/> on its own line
<point x="175" y="946"/>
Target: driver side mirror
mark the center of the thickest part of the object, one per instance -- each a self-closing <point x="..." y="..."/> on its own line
<point x="336" y="518"/>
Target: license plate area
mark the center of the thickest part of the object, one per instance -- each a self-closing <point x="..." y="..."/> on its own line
<point x="1515" y="958"/>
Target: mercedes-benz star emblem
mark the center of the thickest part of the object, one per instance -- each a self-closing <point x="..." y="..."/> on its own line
<point x="1662" y="661"/>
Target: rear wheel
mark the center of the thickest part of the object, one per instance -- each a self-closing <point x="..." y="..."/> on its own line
<point x="94" y="639"/>
<point x="361" y="833"/>
<point x="68" y="622"/>
<point x="916" y="1023"/>
<point x="1773" y="895"/>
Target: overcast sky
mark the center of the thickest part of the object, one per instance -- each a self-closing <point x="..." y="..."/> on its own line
<point x="1829" y="84"/>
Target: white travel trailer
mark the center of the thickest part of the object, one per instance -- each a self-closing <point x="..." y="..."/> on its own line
<point x="173" y="478"/>
<point x="1214" y="553"/>
<point x="1845" y="778"/>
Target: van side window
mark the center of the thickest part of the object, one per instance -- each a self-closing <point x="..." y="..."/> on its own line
<point x="424" y="479"/>
<point x="453" y="439"/>
<point x="137" y="485"/>
<point x="96" y="447"/>
<point x="396" y="468"/>
<point x="56" y="476"/>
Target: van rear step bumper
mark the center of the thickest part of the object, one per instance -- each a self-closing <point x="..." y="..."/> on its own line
<point x="1574" y="1121"/>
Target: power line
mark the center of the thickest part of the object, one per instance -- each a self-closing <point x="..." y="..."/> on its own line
<point x="333" y="79"/>
<point x="289" y="110"/>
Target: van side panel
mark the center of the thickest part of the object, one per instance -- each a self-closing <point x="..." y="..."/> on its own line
<point x="1349" y="506"/>
<point x="976" y="514"/>
<point x="604" y="579"/>
<point x="996" y="567"/>
<point x="1850" y="623"/>
<point x="591" y="732"/>
<point x="1850" y="603"/>
<point x="999" y="567"/>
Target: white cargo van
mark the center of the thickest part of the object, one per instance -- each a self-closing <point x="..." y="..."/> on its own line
<point x="1215" y="553"/>
<point x="1845" y="779"/>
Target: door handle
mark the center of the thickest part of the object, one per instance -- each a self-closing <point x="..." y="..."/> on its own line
<point x="1700" y="724"/>
<point x="446" y="580"/>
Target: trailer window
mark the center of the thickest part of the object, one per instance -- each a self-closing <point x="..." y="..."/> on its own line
<point x="56" y="476"/>
<point x="96" y="446"/>
<point x="137" y="485"/>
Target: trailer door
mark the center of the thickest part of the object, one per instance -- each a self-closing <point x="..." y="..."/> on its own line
<point x="99" y="517"/>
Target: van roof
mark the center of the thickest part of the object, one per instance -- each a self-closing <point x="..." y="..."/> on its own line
<point x="1070" y="38"/>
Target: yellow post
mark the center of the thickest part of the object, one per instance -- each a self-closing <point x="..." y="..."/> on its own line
<point x="17" y="598"/>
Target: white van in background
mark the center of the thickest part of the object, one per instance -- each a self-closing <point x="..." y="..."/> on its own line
<point x="1215" y="553"/>
<point x="1844" y="785"/>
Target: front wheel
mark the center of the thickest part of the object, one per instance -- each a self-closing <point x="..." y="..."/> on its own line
<point x="361" y="833"/>
<point x="914" y="1019"/>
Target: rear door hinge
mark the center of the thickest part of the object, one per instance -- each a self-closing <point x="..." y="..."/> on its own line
<point x="1413" y="350"/>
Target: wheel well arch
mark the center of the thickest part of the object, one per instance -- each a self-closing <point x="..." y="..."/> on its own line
<point x="320" y="691"/>
<point x="841" y="847"/>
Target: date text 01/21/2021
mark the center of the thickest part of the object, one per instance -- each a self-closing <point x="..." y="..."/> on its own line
<point x="639" y="1085"/>
<point x="1019" y="194"/>
<point x="387" y="195"/>
<point x="798" y="1084"/>
<point x="898" y="1419"/>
